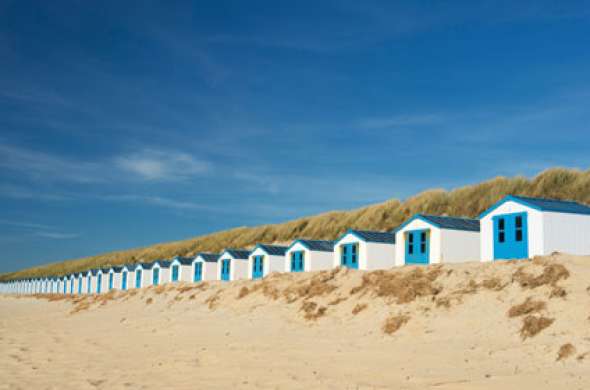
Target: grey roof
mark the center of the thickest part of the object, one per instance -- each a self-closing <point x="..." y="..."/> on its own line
<point x="318" y="245"/>
<point x="238" y="253"/>
<point x="209" y="257"/>
<point x="562" y="206"/>
<point x="117" y="269"/>
<point x="453" y="222"/>
<point x="382" y="237"/>
<point x="273" y="250"/>
<point x="164" y="263"/>
<point x="184" y="260"/>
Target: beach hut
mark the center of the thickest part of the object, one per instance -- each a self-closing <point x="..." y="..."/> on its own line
<point x="71" y="281"/>
<point x="90" y="281"/>
<point x="309" y="255"/>
<point x="114" y="278"/>
<point x="181" y="269"/>
<point x="265" y="259"/>
<point x="127" y="276"/>
<point x="98" y="281"/>
<point x="365" y="250"/>
<point x="233" y="264"/>
<point x="79" y="285"/>
<point x="205" y="267"/>
<point x="430" y="239"/>
<point x="64" y="285"/>
<point x="519" y="227"/>
<point x="160" y="272"/>
<point x="142" y="275"/>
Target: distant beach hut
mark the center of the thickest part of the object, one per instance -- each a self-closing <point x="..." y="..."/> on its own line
<point x="519" y="227"/>
<point x="181" y="269"/>
<point x="265" y="259"/>
<point x="430" y="239"/>
<point x="309" y="255"/>
<point x="365" y="250"/>
<point x="142" y="277"/>
<point x="99" y="280"/>
<point x="90" y="281"/>
<point x="205" y="267"/>
<point x="114" y="278"/>
<point x="71" y="282"/>
<point x="233" y="264"/>
<point x="64" y="285"/>
<point x="126" y="277"/>
<point x="160" y="272"/>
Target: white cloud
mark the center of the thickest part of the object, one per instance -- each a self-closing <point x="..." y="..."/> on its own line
<point x="157" y="165"/>
<point x="57" y="236"/>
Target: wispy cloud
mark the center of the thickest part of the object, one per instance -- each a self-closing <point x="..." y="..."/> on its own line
<point x="147" y="165"/>
<point x="38" y="230"/>
<point x="57" y="236"/>
<point x="158" y="165"/>
<point x="400" y="121"/>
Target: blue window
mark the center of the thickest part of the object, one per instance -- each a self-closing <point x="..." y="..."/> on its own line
<point x="349" y="255"/>
<point x="417" y="247"/>
<point x="198" y="276"/>
<point x="297" y="264"/>
<point x="257" y="267"/>
<point x="138" y="278"/>
<point x="511" y="236"/>
<point x="98" y="283"/>
<point x="225" y="269"/>
<point x="111" y="277"/>
<point x="124" y="280"/>
<point x="175" y="273"/>
<point x="156" y="276"/>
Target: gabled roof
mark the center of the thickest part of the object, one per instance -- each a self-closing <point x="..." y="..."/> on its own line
<point x="272" y="250"/>
<point x="444" y="222"/>
<point x="542" y="204"/>
<point x="116" y="269"/>
<point x="237" y="253"/>
<point x="209" y="257"/>
<point x="161" y="263"/>
<point x="370" y="236"/>
<point x="315" y="245"/>
<point x="183" y="260"/>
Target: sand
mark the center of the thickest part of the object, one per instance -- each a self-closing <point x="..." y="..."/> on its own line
<point x="299" y="331"/>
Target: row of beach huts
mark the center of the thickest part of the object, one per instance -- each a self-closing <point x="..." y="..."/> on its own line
<point x="515" y="228"/>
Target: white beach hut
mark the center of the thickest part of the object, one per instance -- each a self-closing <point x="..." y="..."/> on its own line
<point x="265" y="259"/>
<point x="160" y="272"/>
<point x="142" y="275"/>
<point x="204" y="267"/>
<point x="114" y="278"/>
<point x="309" y="255"/>
<point x="64" y="285"/>
<point x="233" y="264"/>
<point x="71" y="282"/>
<point x="127" y="277"/>
<point x="519" y="227"/>
<point x="181" y="269"/>
<point x="365" y="250"/>
<point x="430" y="239"/>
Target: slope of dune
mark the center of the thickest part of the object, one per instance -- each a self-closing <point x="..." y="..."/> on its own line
<point x="468" y="201"/>
<point x="509" y="325"/>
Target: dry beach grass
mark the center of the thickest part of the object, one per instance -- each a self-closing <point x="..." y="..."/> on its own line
<point x="338" y="329"/>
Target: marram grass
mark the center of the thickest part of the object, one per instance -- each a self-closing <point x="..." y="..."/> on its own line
<point x="468" y="201"/>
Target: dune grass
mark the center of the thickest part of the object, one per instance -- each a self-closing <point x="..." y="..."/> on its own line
<point x="468" y="201"/>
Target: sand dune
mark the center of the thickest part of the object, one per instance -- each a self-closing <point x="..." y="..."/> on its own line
<point x="514" y="325"/>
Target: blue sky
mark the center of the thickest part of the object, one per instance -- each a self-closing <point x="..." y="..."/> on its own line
<point x="129" y="123"/>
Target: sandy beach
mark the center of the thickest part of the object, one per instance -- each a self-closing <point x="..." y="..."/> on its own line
<point x="514" y="325"/>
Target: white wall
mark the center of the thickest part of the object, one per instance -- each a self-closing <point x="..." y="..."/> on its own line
<point x="312" y="260"/>
<point x="534" y="225"/>
<point x="210" y="270"/>
<point x="458" y="246"/>
<point x="568" y="233"/>
<point x="372" y="255"/>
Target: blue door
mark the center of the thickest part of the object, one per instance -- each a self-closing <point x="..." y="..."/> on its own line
<point x="257" y="267"/>
<point x="511" y="236"/>
<point x="418" y="247"/>
<point x="198" y="272"/>
<point x="175" y="273"/>
<point x="65" y="286"/>
<point x="156" y="276"/>
<point x="89" y="287"/>
<point x="98" y="283"/>
<point x="72" y="286"/>
<point x="111" y="277"/>
<point x="79" y="285"/>
<point x="350" y="256"/>
<point x="225" y="269"/>
<point x="297" y="261"/>
<point x="124" y="280"/>
<point x="138" y="278"/>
